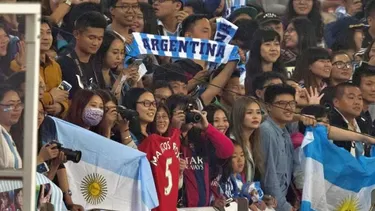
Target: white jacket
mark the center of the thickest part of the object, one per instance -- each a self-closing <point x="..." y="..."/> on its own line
<point x="7" y="158"/>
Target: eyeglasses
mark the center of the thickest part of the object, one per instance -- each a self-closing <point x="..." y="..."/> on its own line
<point x="285" y="104"/>
<point x="127" y="7"/>
<point x="148" y="103"/>
<point x="10" y="107"/>
<point x="342" y="65"/>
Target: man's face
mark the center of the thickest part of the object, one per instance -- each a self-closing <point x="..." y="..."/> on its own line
<point x="367" y="87"/>
<point x="162" y="94"/>
<point x="232" y="91"/>
<point x="283" y="108"/>
<point x="275" y="81"/>
<point x="166" y="8"/>
<point x="89" y="40"/>
<point x="124" y="12"/>
<point x="200" y="30"/>
<point x="179" y="87"/>
<point x="278" y="27"/>
<point x="351" y="103"/>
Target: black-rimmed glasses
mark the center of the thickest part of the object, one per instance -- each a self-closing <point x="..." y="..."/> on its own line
<point x="148" y="103"/>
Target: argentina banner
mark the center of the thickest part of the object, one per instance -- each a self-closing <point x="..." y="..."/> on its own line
<point x="334" y="179"/>
<point x="182" y="47"/>
<point x="110" y="175"/>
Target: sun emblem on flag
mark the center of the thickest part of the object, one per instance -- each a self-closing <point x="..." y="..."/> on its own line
<point x="94" y="188"/>
<point x="350" y="203"/>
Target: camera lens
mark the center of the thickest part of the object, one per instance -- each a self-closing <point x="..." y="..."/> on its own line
<point x="72" y="155"/>
<point x="192" y="117"/>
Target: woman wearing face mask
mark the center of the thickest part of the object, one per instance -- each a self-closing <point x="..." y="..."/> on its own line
<point x="313" y="68"/>
<point x="86" y="109"/>
<point x="298" y="36"/>
<point x="11" y="109"/>
<point x="142" y="101"/>
<point x="218" y="117"/>
<point x="201" y="145"/>
<point x="265" y="56"/>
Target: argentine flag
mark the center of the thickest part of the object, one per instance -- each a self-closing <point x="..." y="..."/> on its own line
<point x="334" y="179"/>
<point x="110" y="175"/>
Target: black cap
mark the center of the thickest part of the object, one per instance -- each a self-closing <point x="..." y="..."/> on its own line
<point x="267" y="18"/>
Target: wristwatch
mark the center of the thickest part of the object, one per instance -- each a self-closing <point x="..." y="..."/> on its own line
<point x="68" y="2"/>
<point x="69" y="192"/>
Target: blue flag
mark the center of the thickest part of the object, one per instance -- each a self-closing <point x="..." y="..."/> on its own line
<point x="334" y="179"/>
<point x="110" y="175"/>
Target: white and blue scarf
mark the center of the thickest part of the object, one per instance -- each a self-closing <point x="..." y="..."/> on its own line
<point x="182" y="47"/>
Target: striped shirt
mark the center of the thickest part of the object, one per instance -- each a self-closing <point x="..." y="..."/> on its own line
<point x="56" y="197"/>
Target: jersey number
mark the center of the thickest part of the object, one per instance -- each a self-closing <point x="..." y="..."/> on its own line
<point x="168" y="174"/>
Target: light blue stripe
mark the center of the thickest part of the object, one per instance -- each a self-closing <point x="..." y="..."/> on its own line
<point x="306" y="206"/>
<point x="12" y="149"/>
<point x="340" y="167"/>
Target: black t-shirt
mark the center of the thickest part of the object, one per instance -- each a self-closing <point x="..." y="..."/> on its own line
<point x="71" y="73"/>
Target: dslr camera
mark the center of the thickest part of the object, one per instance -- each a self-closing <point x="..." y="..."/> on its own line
<point x="192" y="117"/>
<point x="72" y="155"/>
<point x="127" y="114"/>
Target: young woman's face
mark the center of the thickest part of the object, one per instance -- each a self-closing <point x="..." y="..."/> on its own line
<point x="290" y="37"/>
<point x="115" y="54"/>
<point x="253" y="116"/>
<point x="4" y="41"/>
<point x="162" y="121"/>
<point x="139" y="23"/>
<point x="110" y="109"/>
<point x="11" y="108"/>
<point x="146" y="107"/>
<point x="45" y="37"/>
<point x="221" y="121"/>
<point x="19" y="198"/>
<point x="321" y="68"/>
<point x="302" y="7"/>
<point x="270" y="51"/>
<point x="95" y="102"/>
<point x="238" y="159"/>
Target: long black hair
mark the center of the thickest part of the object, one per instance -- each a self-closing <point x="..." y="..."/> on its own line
<point x="308" y="57"/>
<point x="149" y="19"/>
<point x="314" y="16"/>
<point x="305" y="31"/>
<point x="254" y="65"/>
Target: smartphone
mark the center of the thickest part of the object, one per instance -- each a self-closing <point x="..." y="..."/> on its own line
<point x="65" y="86"/>
<point x="42" y="168"/>
<point x="137" y="62"/>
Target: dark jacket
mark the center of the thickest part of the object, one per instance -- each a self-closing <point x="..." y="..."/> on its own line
<point x="336" y="119"/>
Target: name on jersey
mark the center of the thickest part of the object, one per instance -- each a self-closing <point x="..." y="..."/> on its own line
<point x="165" y="146"/>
